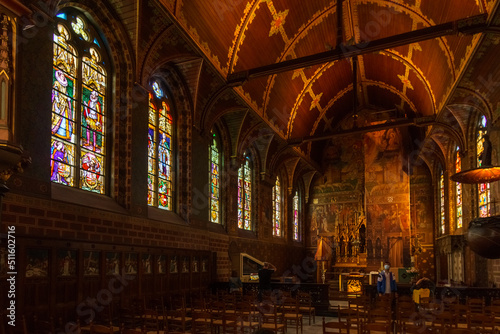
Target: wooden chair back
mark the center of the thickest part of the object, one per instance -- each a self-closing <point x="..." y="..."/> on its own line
<point x="334" y="327"/>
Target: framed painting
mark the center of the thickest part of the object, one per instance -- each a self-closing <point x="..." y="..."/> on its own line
<point x="131" y="263"/>
<point x="112" y="263"/>
<point x="185" y="264"/>
<point x="91" y="263"/>
<point x="204" y="265"/>
<point x="161" y="264"/>
<point x="173" y="265"/>
<point x="37" y="263"/>
<point x="66" y="262"/>
<point x="194" y="264"/>
<point x="147" y="264"/>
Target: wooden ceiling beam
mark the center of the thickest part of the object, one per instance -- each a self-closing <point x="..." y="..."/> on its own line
<point x="470" y="25"/>
<point x="418" y="121"/>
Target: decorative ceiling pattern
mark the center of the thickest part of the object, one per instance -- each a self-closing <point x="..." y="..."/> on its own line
<point x="417" y="78"/>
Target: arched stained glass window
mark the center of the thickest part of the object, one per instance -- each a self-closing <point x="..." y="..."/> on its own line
<point x="79" y="100"/>
<point x="442" y="226"/>
<point x="277" y="228"/>
<point x="483" y="188"/>
<point x="458" y="187"/>
<point x="214" y="180"/>
<point x="245" y="180"/>
<point x="296" y="217"/>
<point x="160" y="174"/>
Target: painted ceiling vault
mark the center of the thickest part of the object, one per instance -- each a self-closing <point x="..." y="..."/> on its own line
<point x="312" y="70"/>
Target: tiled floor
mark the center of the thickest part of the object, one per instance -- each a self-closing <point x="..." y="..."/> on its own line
<point x="314" y="328"/>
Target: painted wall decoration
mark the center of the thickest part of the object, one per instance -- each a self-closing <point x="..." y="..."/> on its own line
<point x="387" y="193"/>
<point x="336" y="196"/>
<point x="366" y="185"/>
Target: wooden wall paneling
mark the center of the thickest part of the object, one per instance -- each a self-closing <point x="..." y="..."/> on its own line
<point x="205" y="271"/>
<point x="195" y="274"/>
<point x="161" y="275"/>
<point x="131" y="261"/>
<point x="185" y="279"/>
<point x="62" y="279"/>
<point x="146" y="275"/>
<point x="37" y="287"/>
<point x="4" y="284"/>
<point x="173" y="273"/>
<point x="66" y="284"/>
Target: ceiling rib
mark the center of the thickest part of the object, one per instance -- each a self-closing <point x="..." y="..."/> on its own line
<point x="470" y="25"/>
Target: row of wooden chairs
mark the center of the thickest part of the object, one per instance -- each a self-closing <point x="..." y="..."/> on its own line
<point x="386" y="328"/>
<point x="432" y="315"/>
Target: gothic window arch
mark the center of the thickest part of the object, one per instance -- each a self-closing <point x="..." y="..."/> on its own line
<point x="245" y="187"/>
<point x="214" y="177"/>
<point x="458" y="188"/>
<point x="442" y="225"/>
<point x="80" y="83"/>
<point x="483" y="188"/>
<point x="277" y="209"/>
<point x="297" y="210"/>
<point x="160" y="144"/>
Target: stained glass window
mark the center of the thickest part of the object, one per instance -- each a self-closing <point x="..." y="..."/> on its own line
<point x="458" y="187"/>
<point x="214" y="181"/>
<point x="296" y="212"/>
<point x="277" y="208"/>
<point x="483" y="188"/>
<point x="245" y="194"/>
<point x="441" y="203"/>
<point x="159" y="150"/>
<point x="79" y="84"/>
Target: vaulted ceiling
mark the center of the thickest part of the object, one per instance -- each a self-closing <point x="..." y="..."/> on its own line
<point x="313" y="70"/>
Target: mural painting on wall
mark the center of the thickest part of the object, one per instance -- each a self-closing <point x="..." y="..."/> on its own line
<point x="328" y="215"/>
<point x="342" y="165"/>
<point x="335" y="195"/>
<point x="387" y="194"/>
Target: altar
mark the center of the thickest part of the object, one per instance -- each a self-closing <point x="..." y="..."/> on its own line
<point x="352" y="282"/>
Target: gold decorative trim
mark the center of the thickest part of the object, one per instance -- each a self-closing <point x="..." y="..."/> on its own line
<point x="306" y="89"/>
<point x="408" y="62"/>
<point x="239" y="33"/>
<point x="289" y="48"/>
<point x="322" y="115"/>
<point x="392" y="89"/>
